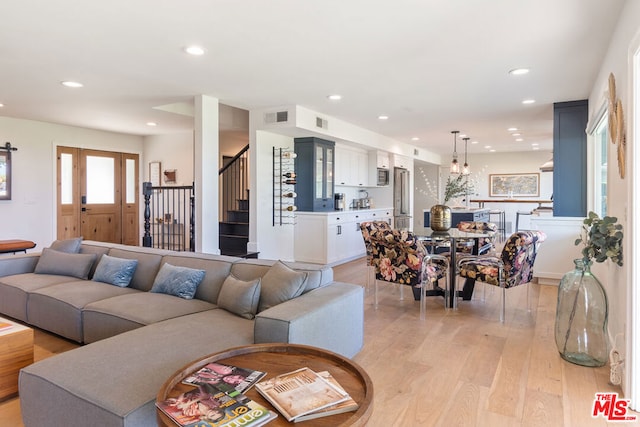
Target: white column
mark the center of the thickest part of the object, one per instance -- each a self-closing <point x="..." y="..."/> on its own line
<point x="206" y="165"/>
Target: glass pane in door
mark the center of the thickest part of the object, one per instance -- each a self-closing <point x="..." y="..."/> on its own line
<point x="319" y="172"/>
<point x="66" y="179"/>
<point x="130" y="185"/>
<point x="330" y="173"/>
<point x="100" y="180"/>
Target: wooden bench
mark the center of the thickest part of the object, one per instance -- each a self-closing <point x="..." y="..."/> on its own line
<point x="14" y="246"/>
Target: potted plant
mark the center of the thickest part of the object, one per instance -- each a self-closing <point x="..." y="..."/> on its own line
<point x="582" y="310"/>
<point x="441" y="213"/>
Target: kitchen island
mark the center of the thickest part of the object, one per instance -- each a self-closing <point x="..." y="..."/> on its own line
<point x="333" y="237"/>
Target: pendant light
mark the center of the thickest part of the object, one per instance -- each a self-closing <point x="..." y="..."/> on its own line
<point x="455" y="166"/>
<point x="465" y="167"/>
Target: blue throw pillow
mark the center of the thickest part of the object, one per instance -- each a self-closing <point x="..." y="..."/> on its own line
<point x="115" y="271"/>
<point x="177" y="281"/>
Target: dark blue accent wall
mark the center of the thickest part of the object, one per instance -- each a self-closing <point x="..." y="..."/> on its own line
<point x="570" y="158"/>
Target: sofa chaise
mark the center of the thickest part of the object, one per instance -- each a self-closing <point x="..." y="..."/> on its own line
<point x="138" y="333"/>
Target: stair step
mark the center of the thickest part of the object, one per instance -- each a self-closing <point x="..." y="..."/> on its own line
<point x="240" y="254"/>
<point x="238" y="216"/>
<point x="233" y="228"/>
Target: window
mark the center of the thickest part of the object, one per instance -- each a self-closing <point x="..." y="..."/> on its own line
<point x="601" y="139"/>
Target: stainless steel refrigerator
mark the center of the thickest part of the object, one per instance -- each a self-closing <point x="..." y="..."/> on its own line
<point x="401" y="198"/>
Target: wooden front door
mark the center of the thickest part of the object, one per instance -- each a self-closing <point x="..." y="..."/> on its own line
<point x="98" y="195"/>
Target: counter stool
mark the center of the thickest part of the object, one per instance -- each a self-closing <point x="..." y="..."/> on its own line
<point x="501" y="222"/>
<point x="518" y="218"/>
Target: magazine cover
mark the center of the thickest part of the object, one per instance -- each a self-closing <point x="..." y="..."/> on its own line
<point x="208" y="406"/>
<point x="300" y="392"/>
<point x="5" y="325"/>
<point x="225" y="377"/>
<point x="346" y="406"/>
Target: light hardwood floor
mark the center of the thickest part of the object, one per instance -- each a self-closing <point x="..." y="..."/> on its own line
<point x="459" y="367"/>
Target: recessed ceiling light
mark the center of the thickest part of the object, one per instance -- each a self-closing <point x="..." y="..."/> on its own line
<point x="1" y="105"/>
<point x="474" y="142"/>
<point x="71" y="84"/>
<point x="492" y="150"/>
<point x="519" y="139"/>
<point x="515" y="134"/>
<point x="415" y="138"/>
<point x="194" y="50"/>
<point x="383" y="117"/>
<point x="528" y="101"/>
<point x="519" y="71"/>
<point x="535" y="148"/>
<point x="335" y="97"/>
<point x="534" y="144"/>
<point x="512" y="129"/>
<point x="152" y="124"/>
<point x="487" y="146"/>
<point x="462" y="135"/>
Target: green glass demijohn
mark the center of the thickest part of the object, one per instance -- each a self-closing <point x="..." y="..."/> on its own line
<point x="581" y="318"/>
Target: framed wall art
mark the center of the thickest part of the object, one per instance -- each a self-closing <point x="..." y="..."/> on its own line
<point x="5" y="175"/>
<point x="154" y="173"/>
<point x="514" y="185"/>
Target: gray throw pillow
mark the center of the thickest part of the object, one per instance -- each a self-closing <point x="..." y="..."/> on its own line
<point x="70" y="246"/>
<point x="280" y="284"/>
<point x="177" y="281"/>
<point x="115" y="271"/>
<point x="64" y="264"/>
<point x="240" y="297"/>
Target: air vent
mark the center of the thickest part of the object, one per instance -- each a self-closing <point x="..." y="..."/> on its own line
<point x="277" y="117"/>
<point x="416" y="152"/>
<point x="322" y="123"/>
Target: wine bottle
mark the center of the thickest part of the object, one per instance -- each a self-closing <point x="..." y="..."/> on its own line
<point x="289" y="181"/>
<point x="289" y="174"/>
<point x="290" y="208"/>
<point x="290" y="194"/>
<point x="288" y="155"/>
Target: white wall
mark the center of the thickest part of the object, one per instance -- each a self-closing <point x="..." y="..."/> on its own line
<point x="482" y="165"/>
<point x="174" y="151"/>
<point x="616" y="280"/>
<point x="273" y="242"/>
<point x="31" y="214"/>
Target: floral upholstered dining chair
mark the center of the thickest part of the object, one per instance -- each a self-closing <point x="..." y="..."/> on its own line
<point x="512" y="268"/>
<point x="399" y="257"/>
<point x="368" y="229"/>
<point x="485" y="244"/>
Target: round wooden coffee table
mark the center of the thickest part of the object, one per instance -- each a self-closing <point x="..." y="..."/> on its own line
<point x="276" y="359"/>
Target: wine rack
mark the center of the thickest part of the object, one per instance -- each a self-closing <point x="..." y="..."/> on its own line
<point x="284" y="181"/>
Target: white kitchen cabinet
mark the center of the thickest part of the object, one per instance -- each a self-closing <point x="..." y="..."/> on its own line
<point x="402" y="162"/>
<point x="382" y="160"/>
<point x="333" y="237"/>
<point x="351" y="167"/>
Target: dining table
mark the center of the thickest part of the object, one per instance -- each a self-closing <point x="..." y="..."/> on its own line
<point x="434" y="239"/>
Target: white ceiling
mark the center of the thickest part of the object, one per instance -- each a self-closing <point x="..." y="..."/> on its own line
<point x="432" y="66"/>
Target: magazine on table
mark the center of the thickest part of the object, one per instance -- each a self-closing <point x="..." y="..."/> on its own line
<point x="5" y="326"/>
<point x="225" y="377"/>
<point x="300" y="392"/>
<point x="339" y="408"/>
<point x="206" y="406"/>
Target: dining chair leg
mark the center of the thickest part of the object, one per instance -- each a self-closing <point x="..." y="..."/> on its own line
<point x="528" y="301"/>
<point x="504" y="296"/>
<point x="423" y="303"/>
<point x="375" y="293"/>
<point x="401" y="292"/>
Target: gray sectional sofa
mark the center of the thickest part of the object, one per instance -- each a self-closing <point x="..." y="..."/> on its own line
<point x="137" y="336"/>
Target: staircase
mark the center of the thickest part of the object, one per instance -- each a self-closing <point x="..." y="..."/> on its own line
<point x="233" y="230"/>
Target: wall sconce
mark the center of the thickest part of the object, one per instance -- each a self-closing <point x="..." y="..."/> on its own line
<point x="455" y="166"/>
